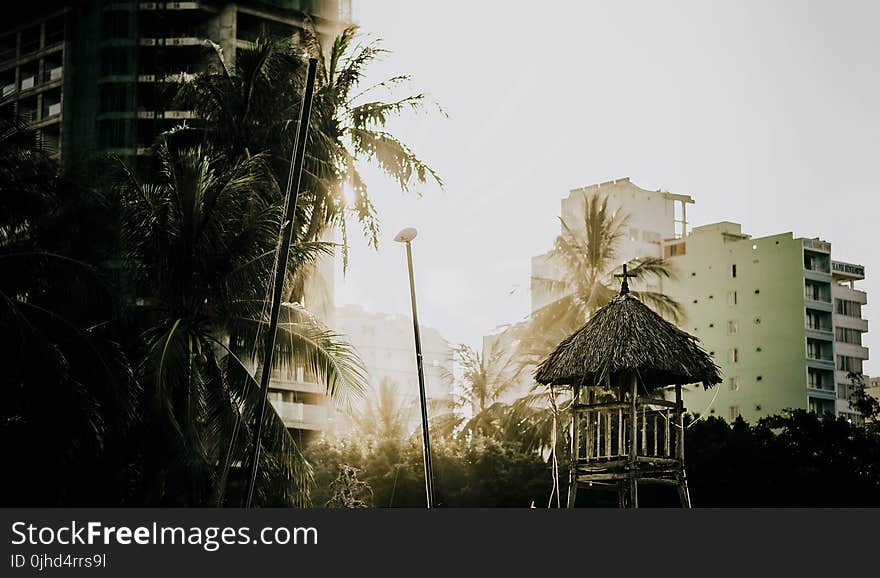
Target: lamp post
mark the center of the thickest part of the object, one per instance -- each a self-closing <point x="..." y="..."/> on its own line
<point x="406" y="236"/>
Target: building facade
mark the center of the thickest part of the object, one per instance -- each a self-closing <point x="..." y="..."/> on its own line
<point x="101" y="75"/>
<point x="385" y="345"/>
<point x="780" y="316"/>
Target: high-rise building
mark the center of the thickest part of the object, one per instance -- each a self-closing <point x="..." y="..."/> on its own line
<point x="100" y="75"/>
<point x="781" y="318"/>
<point x="651" y="218"/>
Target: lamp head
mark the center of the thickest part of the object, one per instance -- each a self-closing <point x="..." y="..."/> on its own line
<point x="406" y="235"/>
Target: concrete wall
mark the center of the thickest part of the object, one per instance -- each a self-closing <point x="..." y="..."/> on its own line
<point x="766" y="374"/>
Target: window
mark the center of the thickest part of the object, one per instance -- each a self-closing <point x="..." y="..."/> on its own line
<point x="849" y="364"/>
<point x="847" y="335"/>
<point x="734" y="413"/>
<point x="815" y="321"/>
<point x="733" y="384"/>
<point x="675" y="250"/>
<point x="732" y="327"/>
<point x="733" y="271"/>
<point x="731" y="297"/>
<point x="815" y="378"/>
<point x="848" y="308"/>
<point x="757" y="291"/>
<point x="815" y="350"/>
<point x="734" y="355"/>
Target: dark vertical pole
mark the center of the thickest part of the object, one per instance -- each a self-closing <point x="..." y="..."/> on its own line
<point x="293" y="179"/>
<point x="426" y="438"/>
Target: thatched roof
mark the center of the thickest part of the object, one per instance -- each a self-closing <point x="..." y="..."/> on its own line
<point x="623" y="337"/>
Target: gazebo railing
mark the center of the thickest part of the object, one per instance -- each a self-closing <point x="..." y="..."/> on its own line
<point x="605" y="430"/>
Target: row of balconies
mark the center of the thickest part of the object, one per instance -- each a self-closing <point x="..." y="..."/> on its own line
<point x="29" y="51"/>
<point x="31" y="81"/>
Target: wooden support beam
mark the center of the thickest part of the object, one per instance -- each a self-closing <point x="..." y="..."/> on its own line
<point x="666" y="434"/>
<point x="633" y="450"/>
<point x="679" y="411"/>
<point x="575" y="445"/>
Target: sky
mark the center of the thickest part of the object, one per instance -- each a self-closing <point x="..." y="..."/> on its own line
<point x="767" y="113"/>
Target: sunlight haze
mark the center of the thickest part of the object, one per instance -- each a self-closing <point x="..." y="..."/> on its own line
<point x="765" y="114"/>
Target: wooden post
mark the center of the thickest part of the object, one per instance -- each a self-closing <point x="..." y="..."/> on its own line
<point x="679" y="411"/>
<point x="683" y="492"/>
<point x="575" y="443"/>
<point x="608" y="434"/>
<point x="633" y="446"/>
<point x="666" y="447"/>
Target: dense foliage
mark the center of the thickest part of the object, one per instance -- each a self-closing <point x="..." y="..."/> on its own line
<point x="798" y="459"/>
<point x="133" y="296"/>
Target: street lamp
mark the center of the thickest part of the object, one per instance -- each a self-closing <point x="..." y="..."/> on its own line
<point x="406" y="236"/>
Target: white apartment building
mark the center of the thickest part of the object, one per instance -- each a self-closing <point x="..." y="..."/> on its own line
<point x="385" y="344"/>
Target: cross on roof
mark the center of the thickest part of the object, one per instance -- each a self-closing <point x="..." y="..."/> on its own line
<point x="624" y="287"/>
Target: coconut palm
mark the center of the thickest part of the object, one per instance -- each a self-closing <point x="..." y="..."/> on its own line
<point x="201" y="238"/>
<point x="385" y="417"/>
<point x="587" y="251"/>
<point x="248" y="109"/>
<point x="483" y="379"/>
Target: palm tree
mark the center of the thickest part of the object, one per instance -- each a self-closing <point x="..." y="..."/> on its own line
<point x="247" y="110"/>
<point x="200" y="241"/>
<point x="386" y="417"/>
<point x="587" y="252"/>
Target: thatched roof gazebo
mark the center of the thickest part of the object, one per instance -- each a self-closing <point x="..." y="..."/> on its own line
<point x="626" y="432"/>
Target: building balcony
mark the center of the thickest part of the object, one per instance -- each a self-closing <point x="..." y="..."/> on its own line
<point x="172" y="114"/>
<point x="303" y="416"/>
<point x="851" y="322"/>
<point x="820" y="333"/>
<point x="817" y="275"/>
<point x="825" y="392"/>
<point x="293" y="384"/>
<point x="169" y="5"/>
<point x="850" y="350"/>
<point x="179" y="77"/>
<point x="843" y="292"/>
<point x="173" y="41"/>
